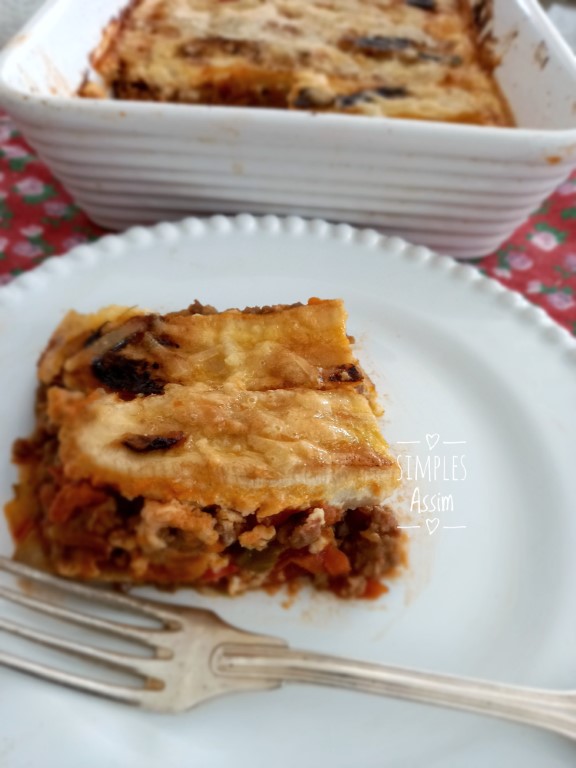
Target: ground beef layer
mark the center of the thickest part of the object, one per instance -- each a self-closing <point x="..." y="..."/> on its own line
<point x="88" y="532"/>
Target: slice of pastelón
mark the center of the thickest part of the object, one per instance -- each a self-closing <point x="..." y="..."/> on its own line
<point x="238" y="449"/>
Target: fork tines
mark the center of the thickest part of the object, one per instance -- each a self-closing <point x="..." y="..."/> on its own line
<point x="183" y="670"/>
<point x="134" y="664"/>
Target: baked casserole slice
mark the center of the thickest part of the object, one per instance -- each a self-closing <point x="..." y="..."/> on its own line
<point x="420" y="59"/>
<point x="238" y="449"/>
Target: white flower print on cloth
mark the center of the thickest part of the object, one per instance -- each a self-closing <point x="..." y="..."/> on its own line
<point x="570" y="262"/>
<point x="520" y="261"/>
<point x="34" y="190"/>
<point x="27" y="249"/>
<point x="57" y="208"/>
<point x="568" y="188"/>
<point x="547" y="238"/>
<point x="32" y="230"/>
<point x="534" y="286"/>
<point x="31" y="187"/>
<point x="546" y="241"/>
<point x="14" y="151"/>
<point x="503" y="274"/>
<point x="72" y="242"/>
<point x="5" y="133"/>
<point x="560" y="300"/>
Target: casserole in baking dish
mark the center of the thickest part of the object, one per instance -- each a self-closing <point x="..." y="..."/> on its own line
<point x="461" y="189"/>
<point x="419" y="59"/>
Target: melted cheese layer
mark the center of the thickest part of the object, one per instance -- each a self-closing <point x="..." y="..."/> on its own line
<point x="249" y="451"/>
<point x="295" y="346"/>
<point x="392" y="57"/>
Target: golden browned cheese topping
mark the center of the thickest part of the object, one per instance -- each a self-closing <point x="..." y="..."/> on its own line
<point x="247" y="451"/>
<point x="129" y="349"/>
<point x="399" y="58"/>
<point x="237" y="448"/>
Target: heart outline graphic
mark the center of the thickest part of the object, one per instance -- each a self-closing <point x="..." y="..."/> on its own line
<point x="432" y="440"/>
<point x="432" y="524"/>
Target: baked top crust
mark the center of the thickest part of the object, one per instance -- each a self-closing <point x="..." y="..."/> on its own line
<point x="417" y="59"/>
<point x="270" y="348"/>
<point x="249" y="451"/>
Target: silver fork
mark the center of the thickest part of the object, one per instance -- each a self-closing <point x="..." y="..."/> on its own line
<point x="197" y="656"/>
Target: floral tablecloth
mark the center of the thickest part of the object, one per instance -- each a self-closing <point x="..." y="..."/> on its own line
<point x="38" y="219"/>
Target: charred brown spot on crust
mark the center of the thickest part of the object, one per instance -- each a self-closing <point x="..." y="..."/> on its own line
<point x="447" y="59"/>
<point x="140" y="86"/>
<point x="381" y="46"/>
<point x="305" y="99"/>
<point x="359" y="97"/>
<point x="376" y="45"/>
<point x="147" y="443"/>
<point x="206" y="48"/>
<point x="197" y="308"/>
<point x="138" y="90"/>
<point x="268" y="309"/>
<point x="423" y="5"/>
<point x="390" y="92"/>
<point x="346" y="373"/>
<point x="93" y="337"/>
<point x="127" y="508"/>
<point x="167" y="341"/>
<point x="129" y="376"/>
<point x="312" y="98"/>
<point x="126" y="375"/>
<point x="482" y="13"/>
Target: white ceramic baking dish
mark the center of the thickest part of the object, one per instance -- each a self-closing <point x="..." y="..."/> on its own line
<point x="460" y="189"/>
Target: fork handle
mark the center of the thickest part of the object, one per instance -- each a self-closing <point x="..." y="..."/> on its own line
<point x="551" y="710"/>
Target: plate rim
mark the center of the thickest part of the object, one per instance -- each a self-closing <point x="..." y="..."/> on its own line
<point x="168" y="233"/>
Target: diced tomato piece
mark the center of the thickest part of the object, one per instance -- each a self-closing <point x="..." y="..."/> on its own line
<point x="330" y="561"/>
<point x="335" y="562"/>
<point x="374" y="589"/>
<point x="311" y="563"/>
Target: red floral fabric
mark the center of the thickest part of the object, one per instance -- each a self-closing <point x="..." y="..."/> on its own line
<point x="539" y="260"/>
<point x="38" y="219"/>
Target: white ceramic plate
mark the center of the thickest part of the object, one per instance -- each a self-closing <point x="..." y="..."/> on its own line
<point x="481" y="379"/>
